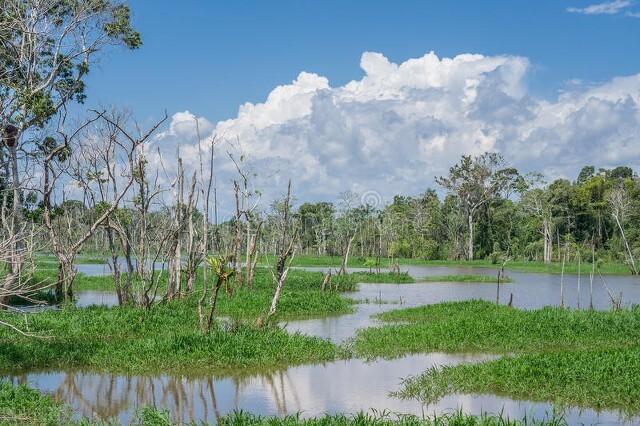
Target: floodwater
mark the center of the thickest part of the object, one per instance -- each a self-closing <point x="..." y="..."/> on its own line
<point x="342" y="386"/>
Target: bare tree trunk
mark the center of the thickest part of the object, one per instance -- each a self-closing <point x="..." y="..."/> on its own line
<point x="470" y="243"/>
<point x="632" y="262"/>
<point x="252" y="259"/>
<point x="237" y="242"/>
<point x="345" y="257"/>
<point x="276" y="294"/>
<point x="548" y="242"/>
<point x="593" y="271"/>
<point x="564" y="257"/>
<point x="579" y="273"/>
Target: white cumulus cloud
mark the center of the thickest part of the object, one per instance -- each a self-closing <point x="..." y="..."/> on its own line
<point x="400" y="125"/>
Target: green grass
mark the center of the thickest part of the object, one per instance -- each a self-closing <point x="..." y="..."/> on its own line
<point x="382" y="277"/>
<point x="164" y="339"/>
<point x="480" y="326"/>
<point x="466" y="278"/>
<point x="167" y="338"/>
<point x="50" y="259"/>
<point x="520" y="266"/>
<point x="600" y="379"/>
<point x="301" y="298"/>
<point x="457" y="418"/>
<point x="22" y="405"/>
<point x="569" y="357"/>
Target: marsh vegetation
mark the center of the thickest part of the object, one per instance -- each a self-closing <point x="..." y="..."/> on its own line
<point x="210" y="277"/>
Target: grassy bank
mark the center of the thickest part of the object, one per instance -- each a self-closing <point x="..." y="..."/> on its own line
<point x="466" y="278"/>
<point x="580" y="358"/>
<point x="167" y="337"/>
<point x="520" y="266"/>
<point x="381" y="278"/>
<point x="164" y="339"/>
<point x="599" y="379"/>
<point x="385" y="419"/>
<point x="20" y="405"/>
<point x="480" y="326"/>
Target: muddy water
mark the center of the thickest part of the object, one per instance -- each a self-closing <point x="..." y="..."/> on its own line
<point x="341" y="386"/>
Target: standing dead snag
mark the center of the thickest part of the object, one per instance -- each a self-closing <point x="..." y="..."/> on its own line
<point x="620" y="204"/>
<point x="286" y="253"/>
<point x="345" y="256"/>
<point x="245" y="208"/>
<point x="252" y="257"/>
<point x="72" y="158"/>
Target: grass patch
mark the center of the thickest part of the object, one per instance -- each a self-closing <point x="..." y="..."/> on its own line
<point x="382" y="277"/>
<point x="569" y="357"/>
<point x="600" y="379"/>
<point x="167" y="338"/>
<point x="466" y="278"/>
<point x="480" y="326"/>
<point x="164" y="339"/>
<point x="49" y="259"/>
<point x="520" y="266"/>
<point x="456" y="418"/>
<point x="21" y="405"/>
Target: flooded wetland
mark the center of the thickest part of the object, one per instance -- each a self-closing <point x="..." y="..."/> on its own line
<point x="344" y="385"/>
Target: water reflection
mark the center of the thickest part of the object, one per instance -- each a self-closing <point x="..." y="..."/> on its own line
<point x="336" y="387"/>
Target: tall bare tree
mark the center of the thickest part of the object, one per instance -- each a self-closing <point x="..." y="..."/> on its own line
<point x="620" y="205"/>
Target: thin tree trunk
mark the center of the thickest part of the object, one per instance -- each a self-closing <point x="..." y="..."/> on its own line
<point x="470" y="243"/>
<point x="632" y="262"/>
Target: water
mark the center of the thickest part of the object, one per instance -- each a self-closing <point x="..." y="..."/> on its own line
<point x="342" y="386"/>
<point x="312" y="390"/>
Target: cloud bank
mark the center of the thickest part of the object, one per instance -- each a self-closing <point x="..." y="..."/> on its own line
<point x="400" y="125"/>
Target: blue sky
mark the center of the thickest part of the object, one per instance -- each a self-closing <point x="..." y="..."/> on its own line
<point x="346" y="96"/>
<point x="211" y="56"/>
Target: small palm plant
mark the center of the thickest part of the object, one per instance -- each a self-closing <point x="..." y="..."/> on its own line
<point x="218" y="266"/>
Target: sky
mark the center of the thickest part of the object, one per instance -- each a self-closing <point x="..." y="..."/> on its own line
<point x="381" y="96"/>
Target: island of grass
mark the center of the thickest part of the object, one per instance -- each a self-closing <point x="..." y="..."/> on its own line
<point x="167" y="337"/>
<point x="579" y="358"/>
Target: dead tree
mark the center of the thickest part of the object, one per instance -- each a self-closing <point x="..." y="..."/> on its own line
<point x="620" y="204"/>
<point x="206" y="182"/>
<point x="244" y="209"/>
<point x="70" y="159"/>
<point x="25" y="288"/>
<point x="286" y="252"/>
<point x="251" y="257"/>
<point x="183" y="215"/>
